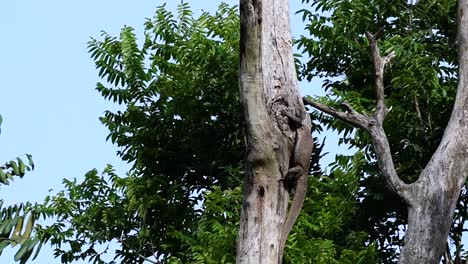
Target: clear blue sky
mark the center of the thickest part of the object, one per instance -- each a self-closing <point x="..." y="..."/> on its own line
<point x="48" y="102"/>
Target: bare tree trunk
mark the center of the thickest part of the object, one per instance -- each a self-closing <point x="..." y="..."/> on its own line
<point x="431" y="200"/>
<point x="268" y="89"/>
<point x="428" y="227"/>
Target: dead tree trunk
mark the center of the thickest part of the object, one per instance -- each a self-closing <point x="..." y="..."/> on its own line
<point x="269" y="93"/>
<point x="432" y="198"/>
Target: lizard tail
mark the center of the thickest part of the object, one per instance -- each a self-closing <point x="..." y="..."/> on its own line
<point x="298" y="200"/>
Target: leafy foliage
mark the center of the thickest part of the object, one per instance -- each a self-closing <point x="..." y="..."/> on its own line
<point x="15" y="168"/>
<point x="214" y="240"/>
<point x="100" y="209"/>
<point x="179" y="91"/>
<point x="179" y="126"/>
<point x="325" y="231"/>
<point x="91" y="213"/>
<point x="17" y="221"/>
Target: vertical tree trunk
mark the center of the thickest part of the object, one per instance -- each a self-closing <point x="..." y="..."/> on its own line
<point x="431" y="209"/>
<point x="268" y="88"/>
<point x="428" y="227"/>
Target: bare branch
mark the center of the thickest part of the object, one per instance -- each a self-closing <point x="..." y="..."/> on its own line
<point x="385" y="161"/>
<point x="381" y="145"/>
<point x="418" y="111"/>
<point x="447" y="255"/>
<point x="351" y="116"/>
<point x="380" y="142"/>
<point x="388" y="58"/>
<point x="379" y="66"/>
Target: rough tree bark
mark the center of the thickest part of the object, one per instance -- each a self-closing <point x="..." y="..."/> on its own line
<point x="431" y="200"/>
<point x="268" y="90"/>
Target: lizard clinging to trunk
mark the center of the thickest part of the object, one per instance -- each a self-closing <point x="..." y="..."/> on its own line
<point x="297" y="175"/>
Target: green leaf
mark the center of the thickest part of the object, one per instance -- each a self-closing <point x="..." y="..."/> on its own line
<point x="3" y="178"/>
<point x="38" y="249"/>
<point x="21" y="254"/>
<point x="14" y="167"/>
<point x="31" y="163"/>
<point x="3" y="244"/>
<point x="8" y="224"/>
<point x="21" y="166"/>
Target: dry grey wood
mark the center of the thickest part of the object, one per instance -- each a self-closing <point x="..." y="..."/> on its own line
<point x="268" y="88"/>
<point x="432" y="198"/>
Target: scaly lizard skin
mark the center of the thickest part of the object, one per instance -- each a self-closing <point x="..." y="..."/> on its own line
<point x="298" y="174"/>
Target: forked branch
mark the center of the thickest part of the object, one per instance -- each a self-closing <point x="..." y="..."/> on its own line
<point x="379" y="67"/>
<point x="372" y="124"/>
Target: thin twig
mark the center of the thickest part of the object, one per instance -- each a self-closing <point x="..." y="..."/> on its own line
<point x="136" y="251"/>
<point x="447" y="255"/>
<point x="418" y="111"/>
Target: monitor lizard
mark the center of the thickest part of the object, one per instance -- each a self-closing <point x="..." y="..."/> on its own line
<point x="297" y="175"/>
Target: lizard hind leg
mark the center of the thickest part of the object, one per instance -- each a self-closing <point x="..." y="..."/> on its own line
<point x="296" y="121"/>
<point x="292" y="175"/>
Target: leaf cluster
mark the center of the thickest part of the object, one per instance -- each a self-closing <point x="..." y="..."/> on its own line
<point x="178" y="126"/>
<point x="17" y="222"/>
<point x="325" y="231"/>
